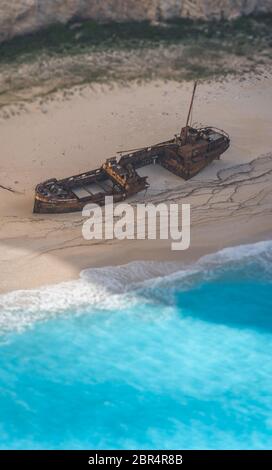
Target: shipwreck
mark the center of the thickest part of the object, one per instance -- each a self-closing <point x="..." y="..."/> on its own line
<point x="185" y="155"/>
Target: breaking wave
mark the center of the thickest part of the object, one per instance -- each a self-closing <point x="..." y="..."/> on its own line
<point x="142" y="356"/>
<point x="116" y="287"/>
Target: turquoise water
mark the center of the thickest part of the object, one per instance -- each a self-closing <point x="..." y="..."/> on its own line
<point x="180" y="361"/>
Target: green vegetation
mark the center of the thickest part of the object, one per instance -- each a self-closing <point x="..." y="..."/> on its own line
<point x="238" y="36"/>
<point x="85" y="52"/>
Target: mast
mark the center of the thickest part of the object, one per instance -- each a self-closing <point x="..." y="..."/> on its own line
<point x="190" y="112"/>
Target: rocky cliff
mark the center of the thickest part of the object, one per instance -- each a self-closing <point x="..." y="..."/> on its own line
<point x="24" y="16"/>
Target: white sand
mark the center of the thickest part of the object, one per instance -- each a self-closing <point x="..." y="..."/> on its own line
<point x="63" y="137"/>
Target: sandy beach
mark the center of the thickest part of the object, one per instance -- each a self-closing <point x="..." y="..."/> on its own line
<point x="69" y="133"/>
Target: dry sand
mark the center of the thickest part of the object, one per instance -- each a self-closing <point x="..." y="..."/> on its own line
<point x="231" y="199"/>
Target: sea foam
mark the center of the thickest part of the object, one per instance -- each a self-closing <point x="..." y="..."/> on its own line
<point x="116" y="287"/>
<point x="182" y="360"/>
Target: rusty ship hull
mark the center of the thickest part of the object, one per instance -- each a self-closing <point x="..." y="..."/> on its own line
<point x="185" y="155"/>
<point x="120" y="179"/>
<point x="72" y="194"/>
<point x="183" y="159"/>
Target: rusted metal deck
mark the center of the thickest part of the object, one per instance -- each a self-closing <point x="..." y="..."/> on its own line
<point x="185" y="155"/>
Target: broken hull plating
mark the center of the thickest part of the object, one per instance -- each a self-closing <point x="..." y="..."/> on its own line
<point x="74" y="198"/>
<point x="44" y="205"/>
<point x="185" y="156"/>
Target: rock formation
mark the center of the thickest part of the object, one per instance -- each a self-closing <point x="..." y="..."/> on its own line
<point x="25" y="16"/>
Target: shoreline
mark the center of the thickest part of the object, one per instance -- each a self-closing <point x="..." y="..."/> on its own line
<point x="64" y="263"/>
<point x="231" y="199"/>
<point x="105" y="280"/>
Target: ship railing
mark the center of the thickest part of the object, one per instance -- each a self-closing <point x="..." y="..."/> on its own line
<point x="213" y="128"/>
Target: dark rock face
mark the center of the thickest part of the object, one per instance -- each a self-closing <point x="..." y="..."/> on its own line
<point x="24" y="16"/>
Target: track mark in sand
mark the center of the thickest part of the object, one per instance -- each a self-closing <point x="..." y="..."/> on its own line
<point x="227" y="195"/>
<point x="78" y="245"/>
<point x="9" y="189"/>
